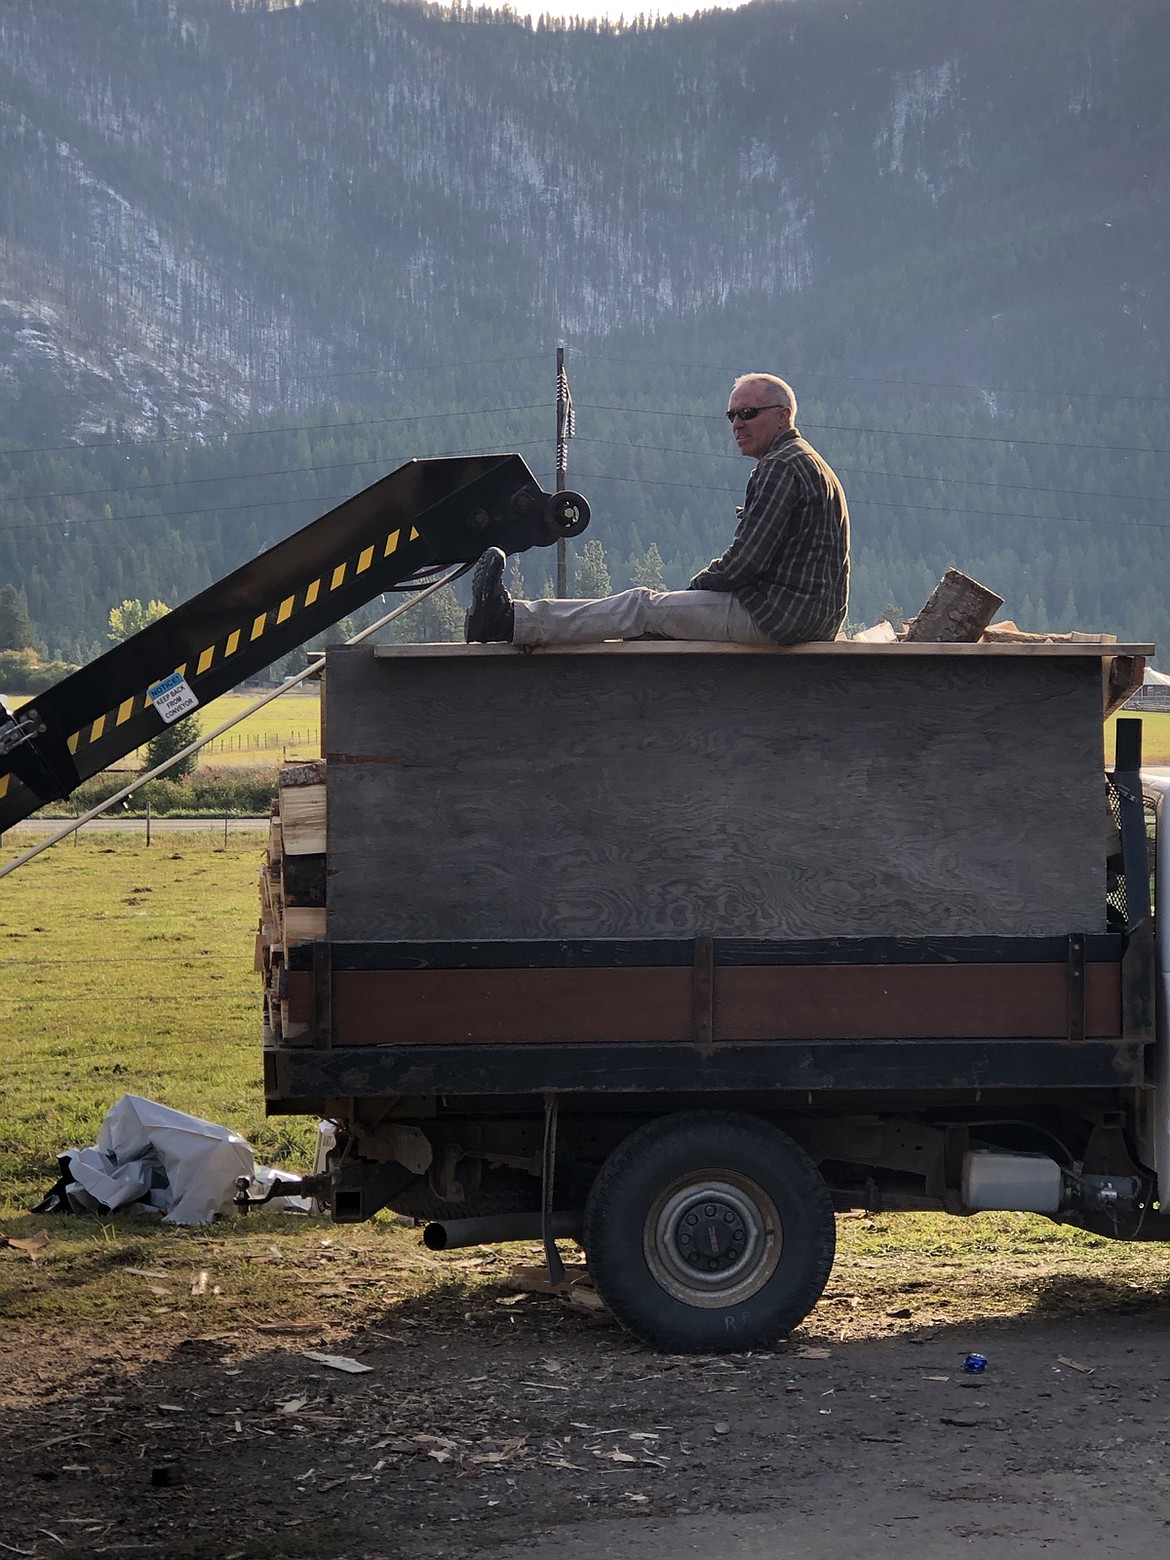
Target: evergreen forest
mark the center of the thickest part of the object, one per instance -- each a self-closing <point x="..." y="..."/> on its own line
<point x="255" y="255"/>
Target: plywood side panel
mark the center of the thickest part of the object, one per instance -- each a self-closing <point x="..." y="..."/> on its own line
<point x="753" y="796"/>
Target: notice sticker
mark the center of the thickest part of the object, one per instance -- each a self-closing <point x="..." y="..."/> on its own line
<point x="172" y="698"/>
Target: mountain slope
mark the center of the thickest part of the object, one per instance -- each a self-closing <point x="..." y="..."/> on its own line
<point x="253" y="255"/>
<point x="212" y="207"/>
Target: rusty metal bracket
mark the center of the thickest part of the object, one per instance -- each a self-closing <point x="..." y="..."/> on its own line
<point x="323" y="995"/>
<point x="703" y="994"/>
<point x="1076" y="986"/>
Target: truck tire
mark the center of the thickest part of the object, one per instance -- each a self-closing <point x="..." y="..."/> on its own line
<point x="709" y="1232"/>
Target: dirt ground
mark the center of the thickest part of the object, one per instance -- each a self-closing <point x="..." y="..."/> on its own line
<point x="495" y="1422"/>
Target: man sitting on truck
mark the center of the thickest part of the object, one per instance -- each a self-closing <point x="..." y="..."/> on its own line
<point x="784" y="580"/>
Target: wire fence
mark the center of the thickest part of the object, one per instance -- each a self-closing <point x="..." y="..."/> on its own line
<point x="263" y="741"/>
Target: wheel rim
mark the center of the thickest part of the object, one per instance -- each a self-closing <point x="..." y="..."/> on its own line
<point x="713" y="1238"/>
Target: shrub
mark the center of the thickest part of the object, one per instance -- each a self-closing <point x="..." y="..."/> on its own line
<point x="171" y="740"/>
<point x="23" y="672"/>
<point x="245" y="793"/>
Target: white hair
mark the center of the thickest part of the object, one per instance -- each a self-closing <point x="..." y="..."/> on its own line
<point x="780" y="388"/>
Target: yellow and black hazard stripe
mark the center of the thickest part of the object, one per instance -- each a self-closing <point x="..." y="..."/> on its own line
<point x="315" y="593"/>
<point x="300" y="588"/>
<point x="344" y="576"/>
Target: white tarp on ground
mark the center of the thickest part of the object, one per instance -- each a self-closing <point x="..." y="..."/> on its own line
<point x="179" y="1165"/>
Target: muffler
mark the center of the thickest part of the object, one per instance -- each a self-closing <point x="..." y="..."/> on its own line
<point x="449" y="1234"/>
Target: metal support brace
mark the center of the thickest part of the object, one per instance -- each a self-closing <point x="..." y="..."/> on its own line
<point x="556" y="1268"/>
<point x="323" y="995"/>
<point x="703" y="994"/>
<point x="1076" y="986"/>
<point x="425" y="516"/>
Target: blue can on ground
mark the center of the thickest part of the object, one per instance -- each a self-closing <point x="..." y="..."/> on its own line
<point x="975" y="1364"/>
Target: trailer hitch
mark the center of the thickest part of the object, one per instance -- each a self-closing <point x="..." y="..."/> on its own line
<point x="317" y="1186"/>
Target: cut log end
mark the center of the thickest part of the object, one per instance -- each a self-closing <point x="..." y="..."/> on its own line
<point x="959" y="609"/>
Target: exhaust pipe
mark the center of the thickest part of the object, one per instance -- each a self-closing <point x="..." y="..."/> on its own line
<point x="447" y="1236"/>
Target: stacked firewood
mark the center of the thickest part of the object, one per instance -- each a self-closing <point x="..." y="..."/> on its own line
<point x="292" y="888"/>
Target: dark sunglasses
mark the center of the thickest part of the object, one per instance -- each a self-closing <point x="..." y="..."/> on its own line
<point x="746" y="413"/>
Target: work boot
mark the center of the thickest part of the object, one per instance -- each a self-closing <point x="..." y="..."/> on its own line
<point x="491" y="618"/>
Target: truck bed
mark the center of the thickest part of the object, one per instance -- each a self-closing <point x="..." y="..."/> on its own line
<point x="663" y="867"/>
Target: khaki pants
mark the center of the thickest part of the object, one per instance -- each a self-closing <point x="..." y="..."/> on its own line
<point x="676" y="614"/>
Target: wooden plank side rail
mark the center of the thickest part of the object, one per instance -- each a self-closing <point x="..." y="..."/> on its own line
<point x="508" y="872"/>
<point x="708" y="1002"/>
<point x="490" y="1007"/>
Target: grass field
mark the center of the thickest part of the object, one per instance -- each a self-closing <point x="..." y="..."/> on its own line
<point x="1155" y="740"/>
<point x="289" y="727"/>
<point x="129" y="970"/>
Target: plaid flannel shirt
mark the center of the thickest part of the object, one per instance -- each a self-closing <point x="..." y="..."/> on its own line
<point x="788" y="562"/>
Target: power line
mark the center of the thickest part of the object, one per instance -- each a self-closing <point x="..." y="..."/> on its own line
<point x="894" y="433"/>
<point x="663" y="449"/>
<point x="591" y="476"/>
<point x="983" y="438"/>
<point x="902" y="476"/>
<point x="367" y="422"/>
<point x="174" y="514"/>
<point x="224" y="509"/>
<point x="934" y="509"/>
<point x="428" y="368"/>
<point x="233" y="476"/>
<point x="920" y="384"/>
<point x="598" y="476"/>
<point x="252" y="433"/>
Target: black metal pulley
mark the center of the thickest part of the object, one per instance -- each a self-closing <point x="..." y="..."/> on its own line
<point x="566" y="514"/>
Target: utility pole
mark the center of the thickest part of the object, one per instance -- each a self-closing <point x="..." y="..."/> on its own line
<point x="564" y="434"/>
